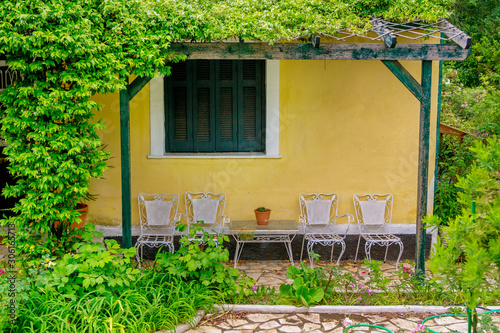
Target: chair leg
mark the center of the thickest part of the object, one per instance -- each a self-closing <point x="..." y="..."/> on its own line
<point x="368" y="248"/>
<point x="386" y="249"/>
<point x="357" y="249"/>
<point x="236" y="253"/>
<point x="342" y="243"/>
<point x="302" y="249"/>
<point x="401" y="248"/>
<point x="309" y="249"/>
<point x="331" y="254"/>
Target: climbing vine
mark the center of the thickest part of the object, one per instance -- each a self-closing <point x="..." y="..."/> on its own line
<point x="70" y="50"/>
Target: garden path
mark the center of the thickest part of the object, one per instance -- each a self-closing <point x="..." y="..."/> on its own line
<point x="273" y="273"/>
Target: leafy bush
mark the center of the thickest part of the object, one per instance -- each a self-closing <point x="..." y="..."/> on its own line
<point x="203" y="260"/>
<point x="92" y="268"/>
<point x="469" y="263"/>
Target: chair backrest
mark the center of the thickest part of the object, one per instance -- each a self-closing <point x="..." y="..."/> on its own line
<point x="318" y="209"/>
<point x="207" y="207"/>
<point x="157" y="212"/>
<point x="373" y="212"/>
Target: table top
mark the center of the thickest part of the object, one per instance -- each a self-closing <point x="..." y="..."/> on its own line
<point x="246" y="226"/>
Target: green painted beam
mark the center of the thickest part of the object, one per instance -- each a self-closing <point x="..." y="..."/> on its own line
<point x="438" y="123"/>
<point x="137" y="85"/>
<point x="125" y="168"/>
<point x="423" y="165"/>
<point x="324" y="51"/>
<point x="405" y="77"/>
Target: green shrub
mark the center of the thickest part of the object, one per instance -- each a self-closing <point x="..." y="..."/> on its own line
<point x="91" y="268"/>
<point x="203" y="261"/>
<point x="468" y="261"/>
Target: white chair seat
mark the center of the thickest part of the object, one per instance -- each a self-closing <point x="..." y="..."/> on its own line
<point x="381" y="238"/>
<point x="156" y="240"/>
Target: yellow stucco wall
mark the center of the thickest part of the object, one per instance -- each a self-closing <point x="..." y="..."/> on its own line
<point x="345" y="126"/>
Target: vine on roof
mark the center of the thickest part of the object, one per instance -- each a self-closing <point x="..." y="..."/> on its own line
<point x="69" y="50"/>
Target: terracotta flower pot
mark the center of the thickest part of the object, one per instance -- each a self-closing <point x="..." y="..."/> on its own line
<point x="262" y="217"/>
<point x="83" y="209"/>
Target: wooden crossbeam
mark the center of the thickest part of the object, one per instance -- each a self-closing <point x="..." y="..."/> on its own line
<point x="315" y="40"/>
<point x="329" y="51"/>
<point x="456" y="35"/>
<point x="405" y="77"/>
<point x="380" y="29"/>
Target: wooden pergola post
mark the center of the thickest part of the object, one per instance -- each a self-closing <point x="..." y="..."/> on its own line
<point x="125" y="96"/>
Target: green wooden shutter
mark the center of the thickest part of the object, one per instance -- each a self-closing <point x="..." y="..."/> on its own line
<point x="178" y="99"/>
<point x="204" y="106"/>
<point x="226" y="106"/>
<point x="215" y="106"/>
<point x="250" y="106"/>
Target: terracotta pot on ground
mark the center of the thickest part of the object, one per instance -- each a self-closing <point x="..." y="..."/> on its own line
<point x="262" y="217"/>
<point x="83" y="209"/>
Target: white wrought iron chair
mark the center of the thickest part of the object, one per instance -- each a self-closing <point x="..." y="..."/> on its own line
<point x="318" y="214"/>
<point x="158" y="216"/>
<point x="374" y="215"/>
<point x="205" y="210"/>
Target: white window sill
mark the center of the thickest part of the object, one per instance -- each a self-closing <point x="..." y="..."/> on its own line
<point x="214" y="155"/>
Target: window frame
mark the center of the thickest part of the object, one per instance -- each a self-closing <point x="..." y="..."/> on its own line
<point x="272" y="119"/>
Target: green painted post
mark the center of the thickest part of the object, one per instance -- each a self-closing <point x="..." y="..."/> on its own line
<point x="438" y="123"/>
<point x="423" y="165"/>
<point x="125" y="167"/>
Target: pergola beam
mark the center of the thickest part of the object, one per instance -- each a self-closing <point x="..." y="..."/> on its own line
<point x="456" y="35"/>
<point x="315" y="40"/>
<point x="405" y="77"/>
<point x="325" y="51"/>
<point x="387" y="36"/>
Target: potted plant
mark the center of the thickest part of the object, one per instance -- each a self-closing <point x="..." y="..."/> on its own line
<point x="262" y="215"/>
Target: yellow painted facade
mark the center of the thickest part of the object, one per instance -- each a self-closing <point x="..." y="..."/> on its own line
<point x="345" y="126"/>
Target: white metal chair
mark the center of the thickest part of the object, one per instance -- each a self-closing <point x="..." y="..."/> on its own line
<point x="318" y="214"/>
<point x="158" y="216"/>
<point x="374" y="215"/>
<point x="205" y="210"/>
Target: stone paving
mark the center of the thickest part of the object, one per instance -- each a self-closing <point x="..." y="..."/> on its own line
<point x="325" y="322"/>
<point x="273" y="273"/>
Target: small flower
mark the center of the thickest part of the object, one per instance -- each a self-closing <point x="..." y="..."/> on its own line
<point x="360" y="286"/>
<point x="2" y="272"/>
<point x="32" y="247"/>
<point x="367" y="291"/>
<point x="363" y="272"/>
<point x="360" y="298"/>
<point x="353" y="285"/>
<point x="418" y="328"/>
<point x="347" y="322"/>
<point x="254" y="287"/>
<point x="406" y="270"/>
<point x="362" y="292"/>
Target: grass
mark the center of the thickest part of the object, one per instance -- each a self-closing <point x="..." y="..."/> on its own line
<point x="157" y="301"/>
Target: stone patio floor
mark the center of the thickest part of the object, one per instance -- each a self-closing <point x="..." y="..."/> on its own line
<point x="273" y="273"/>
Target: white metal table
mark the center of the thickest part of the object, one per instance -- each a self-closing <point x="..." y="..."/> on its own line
<point x="277" y="231"/>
